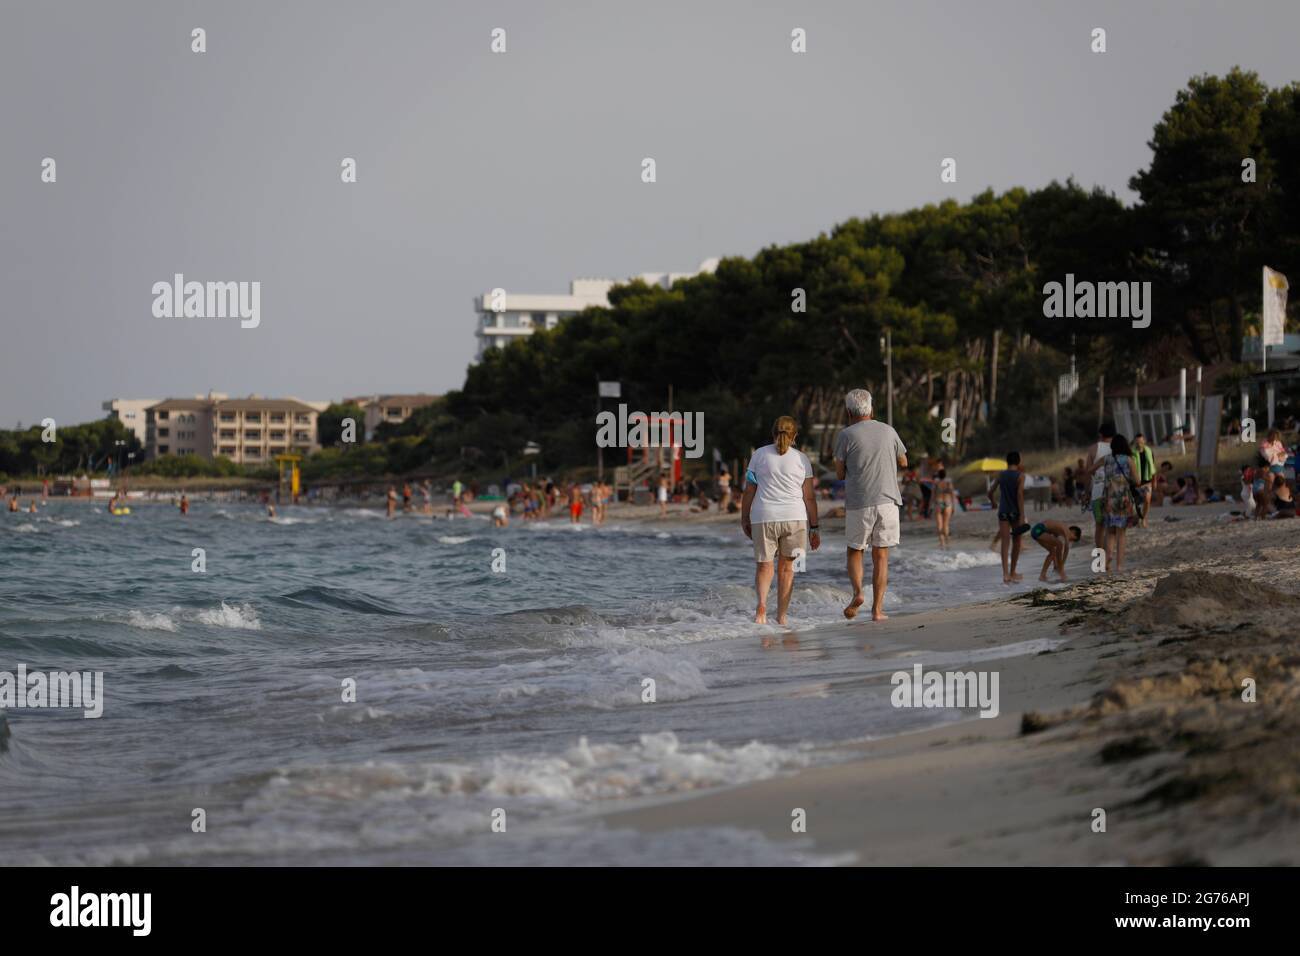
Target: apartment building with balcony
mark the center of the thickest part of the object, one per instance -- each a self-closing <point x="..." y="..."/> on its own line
<point x="179" y="426"/>
<point x="248" y="431"/>
<point x="252" y="431"/>
<point x="391" y="409"/>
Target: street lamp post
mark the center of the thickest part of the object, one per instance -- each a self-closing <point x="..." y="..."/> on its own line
<point x="887" y="347"/>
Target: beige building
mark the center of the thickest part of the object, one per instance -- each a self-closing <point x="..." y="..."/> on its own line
<point x="392" y="409"/>
<point x="179" y="426"/>
<point x="248" y="431"/>
<point x="130" y="412"/>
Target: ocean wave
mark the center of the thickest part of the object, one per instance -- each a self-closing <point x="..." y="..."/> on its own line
<point x="454" y="539"/>
<point x="343" y="599"/>
<point x="566" y="615"/>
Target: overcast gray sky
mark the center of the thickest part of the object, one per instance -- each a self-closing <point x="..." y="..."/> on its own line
<point x="518" y="170"/>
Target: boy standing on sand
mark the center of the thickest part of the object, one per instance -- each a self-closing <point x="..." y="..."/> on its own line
<point x="1056" y="538"/>
<point x="1011" y="505"/>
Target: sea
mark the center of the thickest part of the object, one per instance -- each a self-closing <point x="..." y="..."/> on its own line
<point x="333" y="687"/>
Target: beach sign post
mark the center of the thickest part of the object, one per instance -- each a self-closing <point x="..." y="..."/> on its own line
<point x="604" y="390"/>
<point x="1207" y="445"/>
<point x="1273" y="315"/>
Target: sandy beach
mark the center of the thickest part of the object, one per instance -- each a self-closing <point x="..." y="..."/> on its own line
<point x="1139" y="713"/>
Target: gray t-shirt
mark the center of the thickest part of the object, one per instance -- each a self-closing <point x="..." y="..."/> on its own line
<point x="870" y="451"/>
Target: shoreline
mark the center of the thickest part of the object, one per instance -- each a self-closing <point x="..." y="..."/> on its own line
<point x="1139" y="713"/>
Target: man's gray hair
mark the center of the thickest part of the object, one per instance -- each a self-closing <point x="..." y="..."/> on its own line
<point x="858" y="402"/>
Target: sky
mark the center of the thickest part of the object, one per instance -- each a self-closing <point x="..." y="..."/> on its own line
<point x="517" y="170"/>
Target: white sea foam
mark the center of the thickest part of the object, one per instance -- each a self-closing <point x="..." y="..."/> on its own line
<point x="454" y="539"/>
<point x="150" y="622"/>
<point x="239" y="616"/>
<point x="584" y="774"/>
<point x="952" y="560"/>
<point x="60" y="522"/>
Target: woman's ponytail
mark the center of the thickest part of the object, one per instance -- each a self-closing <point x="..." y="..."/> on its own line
<point x="783" y="433"/>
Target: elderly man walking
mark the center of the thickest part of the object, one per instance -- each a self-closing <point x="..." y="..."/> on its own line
<point x="868" y="455"/>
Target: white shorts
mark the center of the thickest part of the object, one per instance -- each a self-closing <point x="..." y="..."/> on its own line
<point x="876" y="527"/>
<point x="787" y="538"/>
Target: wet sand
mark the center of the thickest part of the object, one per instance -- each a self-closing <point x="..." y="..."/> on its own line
<point x="1140" y="714"/>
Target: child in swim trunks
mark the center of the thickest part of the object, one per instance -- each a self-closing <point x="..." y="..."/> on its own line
<point x="1055" y="538"/>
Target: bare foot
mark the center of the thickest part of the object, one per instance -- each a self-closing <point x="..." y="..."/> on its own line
<point x="760" y="616"/>
<point x="1042" y="577"/>
<point x="1064" y="578"/>
<point x="780" y="619"/>
<point x="852" y="610"/>
<point x="879" y="616"/>
<point x="1017" y="578"/>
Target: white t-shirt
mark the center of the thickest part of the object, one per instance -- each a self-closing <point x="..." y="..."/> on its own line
<point x="780" y="481"/>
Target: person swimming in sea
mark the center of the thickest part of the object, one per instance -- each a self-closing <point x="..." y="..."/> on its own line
<point x="1055" y="537"/>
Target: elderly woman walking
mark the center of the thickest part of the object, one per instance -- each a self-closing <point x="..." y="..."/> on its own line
<point x="778" y="512"/>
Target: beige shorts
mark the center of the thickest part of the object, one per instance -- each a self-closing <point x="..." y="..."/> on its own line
<point x="785" y="536"/>
<point x="875" y="527"/>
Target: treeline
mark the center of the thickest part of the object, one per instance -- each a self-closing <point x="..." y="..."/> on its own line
<point x="75" y="449"/>
<point x="959" y="288"/>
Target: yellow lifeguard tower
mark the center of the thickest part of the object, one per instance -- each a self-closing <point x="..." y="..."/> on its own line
<point x="289" y="462"/>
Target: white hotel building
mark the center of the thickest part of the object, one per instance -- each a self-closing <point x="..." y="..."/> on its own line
<point x="523" y="312"/>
